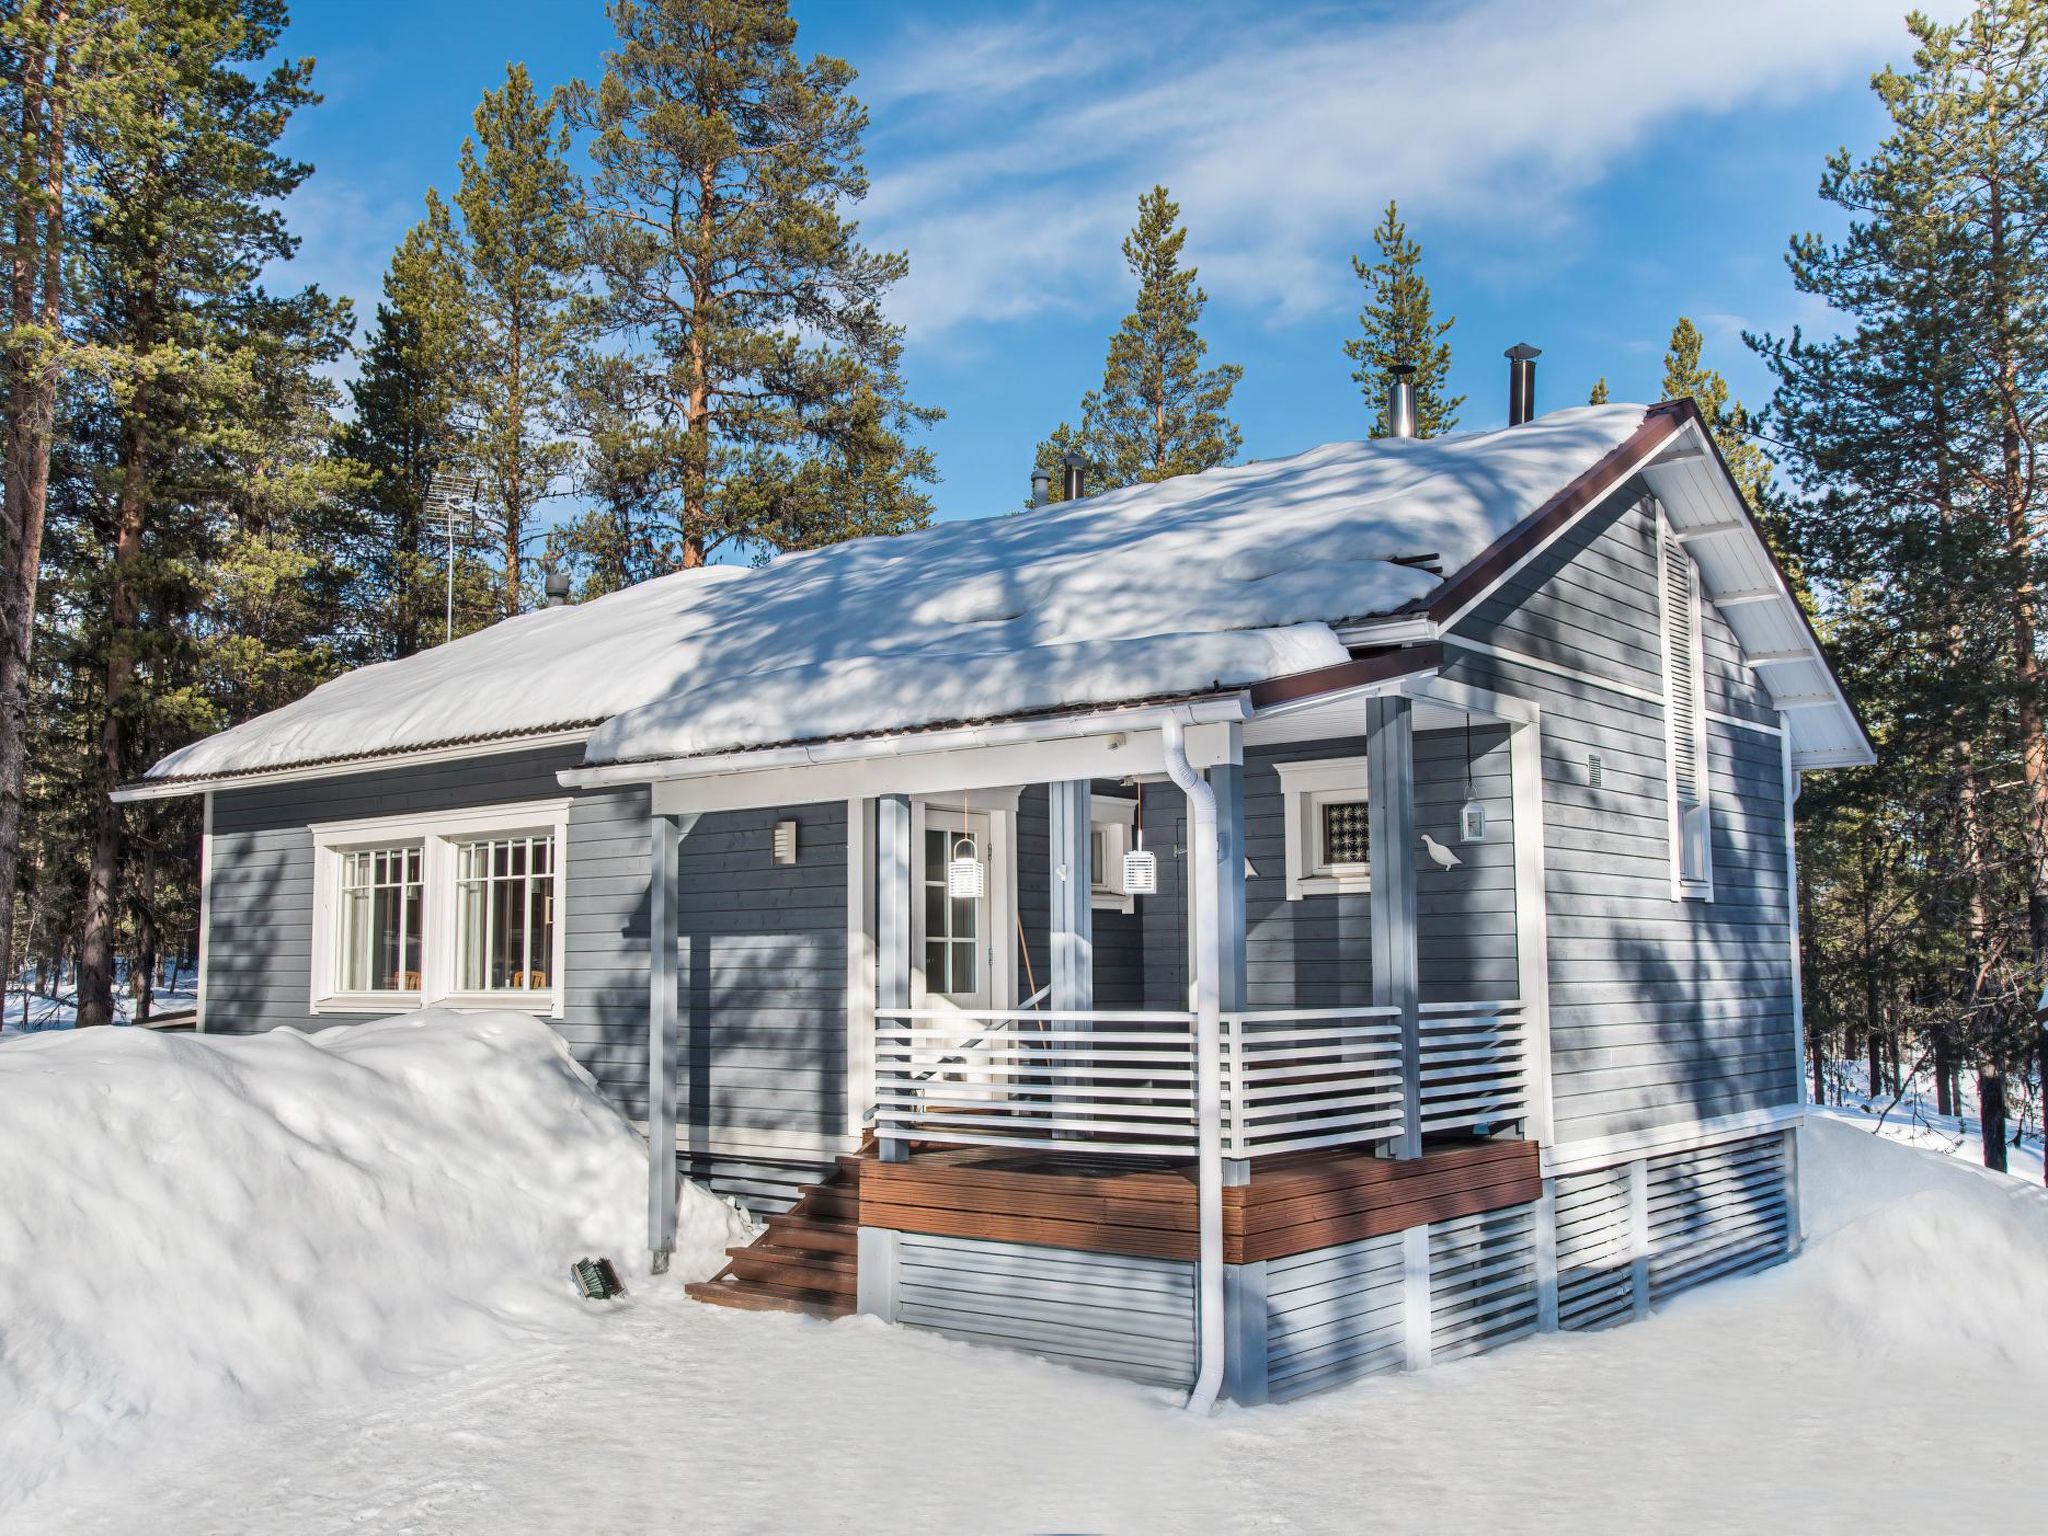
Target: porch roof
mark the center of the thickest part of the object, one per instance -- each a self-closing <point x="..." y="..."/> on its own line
<point x="1205" y="582"/>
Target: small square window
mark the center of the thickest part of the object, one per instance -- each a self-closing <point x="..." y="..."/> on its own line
<point x="1347" y="836"/>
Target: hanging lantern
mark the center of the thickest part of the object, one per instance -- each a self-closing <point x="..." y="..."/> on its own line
<point x="965" y="877"/>
<point x="1471" y="815"/>
<point x="1141" y="870"/>
<point x="1472" y="822"/>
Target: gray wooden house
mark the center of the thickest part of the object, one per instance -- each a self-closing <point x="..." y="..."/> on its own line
<point x="1307" y="919"/>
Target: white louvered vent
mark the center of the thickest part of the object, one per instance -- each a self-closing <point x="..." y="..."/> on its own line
<point x="1685" y="714"/>
<point x="1716" y="1211"/>
<point x="1594" y="1285"/>
<point x="1482" y="1282"/>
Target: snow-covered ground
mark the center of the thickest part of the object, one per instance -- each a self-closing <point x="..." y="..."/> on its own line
<point x="1887" y="1379"/>
<point x="1913" y="1119"/>
<point x="25" y="1012"/>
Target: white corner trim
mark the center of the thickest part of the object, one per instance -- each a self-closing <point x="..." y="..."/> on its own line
<point x="205" y="910"/>
<point x="437" y="833"/>
<point x="1304" y="786"/>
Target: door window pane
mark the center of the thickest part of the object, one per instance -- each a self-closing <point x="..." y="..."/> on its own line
<point x="1347" y="836"/>
<point x="381" y="903"/>
<point x="505" y="914"/>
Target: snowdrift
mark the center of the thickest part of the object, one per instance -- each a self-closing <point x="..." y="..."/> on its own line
<point x="194" y="1225"/>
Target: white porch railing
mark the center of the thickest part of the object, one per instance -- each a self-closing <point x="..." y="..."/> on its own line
<point x="1114" y="1082"/>
<point x="1474" y="1065"/>
<point x="1296" y="1078"/>
<point x="1123" y="1083"/>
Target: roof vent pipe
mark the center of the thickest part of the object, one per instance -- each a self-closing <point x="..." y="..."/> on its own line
<point x="557" y="587"/>
<point x="1401" y="400"/>
<point x="1041" y="487"/>
<point x="1076" y="485"/>
<point x="1521" y="382"/>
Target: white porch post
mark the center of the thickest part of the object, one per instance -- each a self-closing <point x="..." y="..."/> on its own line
<point x="1072" y="940"/>
<point x="661" y="1039"/>
<point x="1390" y="779"/>
<point x="892" y="919"/>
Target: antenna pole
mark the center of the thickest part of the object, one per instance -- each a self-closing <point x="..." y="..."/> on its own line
<point x="448" y="630"/>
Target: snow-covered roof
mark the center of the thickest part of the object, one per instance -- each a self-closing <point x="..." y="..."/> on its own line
<point x="1215" y="580"/>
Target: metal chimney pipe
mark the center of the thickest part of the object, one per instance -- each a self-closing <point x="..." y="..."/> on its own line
<point x="1521" y="382"/>
<point x="1041" y="487"/>
<point x="1076" y="485"/>
<point x="1401" y="400"/>
<point x="557" y="588"/>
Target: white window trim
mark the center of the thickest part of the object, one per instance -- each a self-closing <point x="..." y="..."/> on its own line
<point x="437" y="833"/>
<point x="1114" y="816"/>
<point x="1304" y="789"/>
<point x="1682" y="889"/>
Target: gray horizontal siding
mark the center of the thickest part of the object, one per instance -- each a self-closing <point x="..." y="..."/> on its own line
<point x="1125" y="1317"/>
<point x="762" y="956"/>
<point x="1660" y="1010"/>
<point x="1334" y="1315"/>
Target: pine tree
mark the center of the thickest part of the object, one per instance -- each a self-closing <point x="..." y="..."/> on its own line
<point x="747" y="310"/>
<point x="1599" y="392"/>
<point x="69" y="77"/>
<point x="186" y="215"/>
<point x="1905" y="434"/>
<point x="1732" y="428"/>
<point x="1159" y="412"/>
<point x="404" y="430"/>
<point x="518" y="201"/>
<point x="1399" y="326"/>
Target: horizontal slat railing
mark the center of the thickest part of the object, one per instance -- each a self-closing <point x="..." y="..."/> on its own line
<point x="1297" y="1078"/>
<point x="1111" y="1082"/>
<point x="1474" y="1065"/>
<point x="1124" y="1083"/>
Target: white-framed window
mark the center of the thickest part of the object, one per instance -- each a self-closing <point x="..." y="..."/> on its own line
<point x="1110" y="822"/>
<point x="1685" y="720"/>
<point x="462" y="907"/>
<point x="1329" y="837"/>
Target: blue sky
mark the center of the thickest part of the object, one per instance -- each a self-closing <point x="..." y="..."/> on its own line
<point x="1580" y="173"/>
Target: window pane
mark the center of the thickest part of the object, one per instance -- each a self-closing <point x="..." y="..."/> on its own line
<point x="963" y="968"/>
<point x="936" y="978"/>
<point x="378" y="921"/>
<point x="505" y="914"/>
<point x="1347" y="837"/>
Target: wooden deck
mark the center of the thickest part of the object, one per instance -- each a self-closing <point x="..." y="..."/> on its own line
<point x="1294" y="1204"/>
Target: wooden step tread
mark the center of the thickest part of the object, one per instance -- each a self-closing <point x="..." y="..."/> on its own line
<point x="812" y="1234"/>
<point x="764" y="1296"/>
<point x="832" y="1274"/>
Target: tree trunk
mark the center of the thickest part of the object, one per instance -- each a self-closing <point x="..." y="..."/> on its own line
<point x="1944" y="1073"/>
<point x="34" y="297"/>
<point x="144" y="973"/>
<point x="1873" y="1081"/>
<point x="1991" y="1116"/>
<point x="102" y="886"/>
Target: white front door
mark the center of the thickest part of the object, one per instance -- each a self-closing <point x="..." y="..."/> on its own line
<point x="955" y="953"/>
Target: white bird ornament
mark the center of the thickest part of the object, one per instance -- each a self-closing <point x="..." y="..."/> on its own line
<point x="1439" y="855"/>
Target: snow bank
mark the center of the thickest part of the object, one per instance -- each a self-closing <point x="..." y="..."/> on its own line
<point x="195" y="1225"/>
<point x="1224" y="578"/>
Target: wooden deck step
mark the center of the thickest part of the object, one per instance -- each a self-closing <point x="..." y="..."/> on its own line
<point x="813" y="1234"/>
<point x="832" y="1273"/>
<point x="806" y="1259"/>
<point x="759" y="1296"/>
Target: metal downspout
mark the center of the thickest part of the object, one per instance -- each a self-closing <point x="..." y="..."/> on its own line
<point x="1208" y="958"/>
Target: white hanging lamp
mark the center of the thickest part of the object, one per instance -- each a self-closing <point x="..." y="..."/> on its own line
<point x="965" y="877"/>
<point x="1141" y="867"/>
<point x="1472" y="814"/>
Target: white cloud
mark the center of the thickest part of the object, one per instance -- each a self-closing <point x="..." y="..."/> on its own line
<point x="1282" y="139"/>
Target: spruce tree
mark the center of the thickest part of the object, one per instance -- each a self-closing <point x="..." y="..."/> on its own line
<point x="518" y="200"/>
<point x="1399" y="326"/>
<point x="745" y="308"/>
<point x="404" y="431"/>
<point x="1159" y="412"/>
